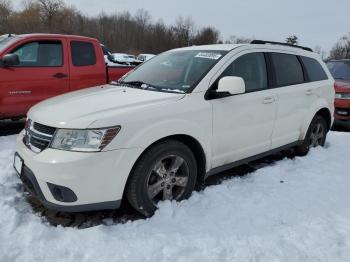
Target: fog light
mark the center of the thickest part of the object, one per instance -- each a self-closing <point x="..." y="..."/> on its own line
<point x="62" y="194"/>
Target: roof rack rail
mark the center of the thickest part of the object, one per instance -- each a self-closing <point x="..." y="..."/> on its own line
<point x="261" y="42"/>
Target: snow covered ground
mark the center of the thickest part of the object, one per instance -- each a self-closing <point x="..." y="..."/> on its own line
<point x="251" y="218"/>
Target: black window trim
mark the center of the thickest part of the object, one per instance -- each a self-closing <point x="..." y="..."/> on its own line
<point x="274" y="71"/>
<point x="71" y="52"/>
<point x="271" y="77"/>
<point x="39" y="40"/>
<point x="305" y="72"/>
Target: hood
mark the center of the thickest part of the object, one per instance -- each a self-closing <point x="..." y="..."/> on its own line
<point x="342" y="86"/>
<point x="81" y="108"/>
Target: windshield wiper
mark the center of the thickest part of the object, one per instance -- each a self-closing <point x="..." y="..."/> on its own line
<point x="138" y="84"/>
<point x="146" y="86"/>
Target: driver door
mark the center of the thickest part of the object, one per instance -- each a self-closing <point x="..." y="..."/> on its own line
<point x="243" y="124"/>
<point x="42" y="73"/>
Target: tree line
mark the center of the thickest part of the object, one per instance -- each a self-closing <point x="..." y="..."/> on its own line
<point x="122" y="31"/>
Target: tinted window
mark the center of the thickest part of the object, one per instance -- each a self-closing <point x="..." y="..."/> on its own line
<point x="314" y="69"/>
<point x="340" y="69"/>
<point x="252" y="68"/>
<point x="43" y="54"/>
<point x="83" y="53"/>
<point x="288" y="69"/>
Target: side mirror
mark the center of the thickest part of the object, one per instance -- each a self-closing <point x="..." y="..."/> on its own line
<point x="232" y="85"/>
<point x="10" y="60"/>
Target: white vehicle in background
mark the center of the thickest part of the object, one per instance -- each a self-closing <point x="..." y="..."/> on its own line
<point x="109" y="59"/>
<point x="185" y="115"/>
<point x="124" y="58"/>
<point x="144" y="57"/>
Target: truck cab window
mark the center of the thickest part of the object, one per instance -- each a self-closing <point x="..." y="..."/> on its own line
<point x="83" y="53"/>
<point x="40" y="54"/>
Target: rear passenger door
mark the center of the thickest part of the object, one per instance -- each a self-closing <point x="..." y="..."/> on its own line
<point x="86" y="70"/>
<point x="294" y="95"/>
<point x="243" y="124"/>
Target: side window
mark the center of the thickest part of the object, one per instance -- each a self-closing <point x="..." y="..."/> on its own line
<point x="252" y="68"/>
<point x="83" y="53"/>
<point x="314" y="69"/>
<point x="40" y="54"/>
<point x="288" y="69"/>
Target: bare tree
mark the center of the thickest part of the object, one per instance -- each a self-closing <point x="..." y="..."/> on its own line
<point x="183" y="30"/>
<point x="318" y="49"/>
<point x="238" y="40"/>
<point x="205" y="36"/>
<point x="341" y="49"/>
<point x="5" y="12"/>
<point x="292" y="39"/>
<point x="121" y="31"/>
<point x="28" y="20"/>
<point x="49" y="11"/>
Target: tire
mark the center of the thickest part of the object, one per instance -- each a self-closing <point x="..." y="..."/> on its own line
<point x="315" y="136"/>
<point x="166" y="171"/>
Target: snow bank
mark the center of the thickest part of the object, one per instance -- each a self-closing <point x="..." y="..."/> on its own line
<point x="252" y="218"/>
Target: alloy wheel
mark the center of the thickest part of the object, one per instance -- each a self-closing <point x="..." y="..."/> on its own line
<point x="168" y="179"/>
<point x="317" y="135"/>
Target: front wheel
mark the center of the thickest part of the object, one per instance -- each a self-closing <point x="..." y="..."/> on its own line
<point x="166" y="171"/>
<point x="315" y="136"/>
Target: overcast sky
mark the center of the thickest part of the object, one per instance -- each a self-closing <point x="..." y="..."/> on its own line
<point x="315" y="22"/>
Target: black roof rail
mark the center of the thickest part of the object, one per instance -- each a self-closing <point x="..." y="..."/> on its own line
<point x="262" y="42"/>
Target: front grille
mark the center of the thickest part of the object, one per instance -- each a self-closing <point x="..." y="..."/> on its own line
<point x="38" y="143"/>
<point x="37" y="136"/>
<point x="44" y="129"/>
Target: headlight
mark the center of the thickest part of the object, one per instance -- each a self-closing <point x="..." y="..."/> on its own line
<point x="342" y="95"/>
<point x="86" y="140"/>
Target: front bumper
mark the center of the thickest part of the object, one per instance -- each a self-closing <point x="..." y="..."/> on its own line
<point x="96" y="179"/>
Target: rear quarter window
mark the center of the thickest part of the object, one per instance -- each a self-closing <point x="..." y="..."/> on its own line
<point x="314" y="70"/>
<point x="83" y="53"/>
<point x="288" y="69"/>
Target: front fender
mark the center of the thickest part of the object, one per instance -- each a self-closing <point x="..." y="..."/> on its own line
<point x="157" y="131"/>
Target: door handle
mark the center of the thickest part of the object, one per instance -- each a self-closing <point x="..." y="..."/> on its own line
<point x="308" y="92"/>
<point x="268" y="100"/>
<point x="60" y="75"/>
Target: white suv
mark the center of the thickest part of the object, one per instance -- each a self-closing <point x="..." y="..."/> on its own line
<point x="175" y="120"/>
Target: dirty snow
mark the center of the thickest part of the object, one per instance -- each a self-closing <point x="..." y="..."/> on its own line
<point x="251" y="218"/>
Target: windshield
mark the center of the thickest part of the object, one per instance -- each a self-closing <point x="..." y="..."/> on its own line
<point x="5" y="40"/>
<point x="178" y="71"/>
<point x="340" y="69"/>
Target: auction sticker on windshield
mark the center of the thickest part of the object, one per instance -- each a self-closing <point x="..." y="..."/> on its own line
<point x="214" y="56"/>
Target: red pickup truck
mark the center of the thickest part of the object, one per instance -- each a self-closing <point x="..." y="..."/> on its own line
<point x="35" y="67"/>
<point x="340" y="69"/>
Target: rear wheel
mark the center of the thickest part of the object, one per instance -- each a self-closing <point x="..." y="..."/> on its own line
<point x="167" y="171"/>
<point x="315" y="136"/>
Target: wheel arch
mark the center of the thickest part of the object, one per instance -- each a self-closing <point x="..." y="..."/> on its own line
<point x="326" y="114"/>
<point x="194" y="145"/>
<point x="320" y="109"/>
